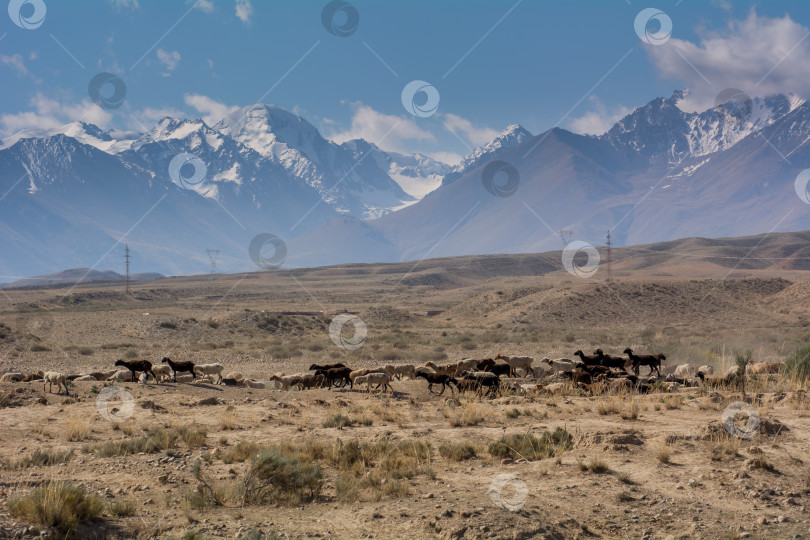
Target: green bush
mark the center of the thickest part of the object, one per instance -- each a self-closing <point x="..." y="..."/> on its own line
<point x="57" y="504"/>
<point x="526" y="445"/>
<point x="797" y="365"/>
<point x="275" y="477"/>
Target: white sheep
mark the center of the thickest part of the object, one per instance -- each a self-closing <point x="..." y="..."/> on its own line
<point x="84" y="378"/>
<point x="12" y="377"/>
<point x="54" y="377"/>
<point x="162" y="371"/>
<point x="252" y="383"/>
<point x="684" y="370"/>
<point x="207" y="370"/>
<point x="563" y="364"/>
<point x="515" y="362"/>
<point x="380" y="379"/>
<point x="123" y="375"/>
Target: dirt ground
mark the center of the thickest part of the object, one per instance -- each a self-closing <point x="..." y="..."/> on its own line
<point x="660" y="465"/>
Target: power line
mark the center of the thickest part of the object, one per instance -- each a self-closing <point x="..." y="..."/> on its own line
<point x="212" y="256"/>
<point x="565" y="235"/>
<point x="127" y="258"/>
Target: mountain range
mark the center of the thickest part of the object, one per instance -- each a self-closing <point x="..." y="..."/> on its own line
<point x="73" y="195"/>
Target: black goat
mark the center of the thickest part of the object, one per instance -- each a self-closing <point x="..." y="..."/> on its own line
<point x="435" y="378"/>
<point x="139" y="365"/>
<point x="179" y="366"/>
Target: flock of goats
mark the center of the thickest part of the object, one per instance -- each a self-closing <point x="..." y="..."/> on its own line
<point x="596" y="374"/>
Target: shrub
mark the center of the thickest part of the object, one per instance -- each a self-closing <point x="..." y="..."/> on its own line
<point x="43" y="458"/>
<point x="275" y="477"/>
<point x="797" y="365"/>
<point x="526" y="445"/>
<point x="457" y="451"/>
<point x="338" y="421"/>
<point x="241" y="452"/>
<point x="168" y="324"/>
<point x="57" y="504"/>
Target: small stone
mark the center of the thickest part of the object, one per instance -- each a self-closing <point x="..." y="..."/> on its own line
<point x="782" y="519"/>
<point x="447" y="514"/>
<point x="762" y="520"/>
<point x="507" y="461"/>
<point x="428" y="496"/>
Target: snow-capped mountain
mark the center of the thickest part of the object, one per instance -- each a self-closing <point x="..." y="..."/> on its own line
<point x="659" y="174"/>
<point x="512" y="136"/>
<point x="75" y="194"/>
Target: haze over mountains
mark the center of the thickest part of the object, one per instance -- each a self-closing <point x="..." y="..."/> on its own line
<point x="659" y="174"/>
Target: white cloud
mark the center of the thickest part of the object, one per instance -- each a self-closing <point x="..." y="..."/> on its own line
<point x="450" y="158"/>
<point x="212" y="110"/>
<point x="388" y="132"/>
<point x="206" y="6"/>
<point x="759" y="55"/>
<point x="16" y="63"/>
<point x="49" y="113"/>
<point x="599" y="119"/>
<point x="244" y="10"/>
<point x="478" y="136"/>
<point x="169" y="59"/>
<point x="144" y="119"/>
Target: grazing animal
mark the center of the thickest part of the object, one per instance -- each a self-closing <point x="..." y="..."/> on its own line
<point x="287" y="381"/>
<point x="316" y="367"/>
<point x="228" y="381"/>
<point x="121" y="376"/>
<point x="210" y="369"/>
<point x="588" y="360"/>
<point x="447" y="369"/>
<point x="514" y="362"/>
<point x="102" y="375"/>
<point x="312" y="381"/>
<point x="423" y="369"/>
<point x="12" y="377"/>
<point x="478" y="380"/>
<point x="609" y="360"/>
<point x="83" y="378"/>
<point x="408" y="370"/>
<point x="179" y="367"/>
<point x="563" y="364"/>
<point x="466" y="364"/>
<point x="162" y="372"/>
<point x="762" y="368"/>
<point x="137" y="366"/>
<point x="684" y="370"/>
<point x="707" y="370"/>
<point x="437" y="378"/>
<point x="579" y="376"/>
<point x="649" y="360"/>
<point x="38" y="376"/>
<point x="358" y="372"/>
<point x="54" y="377"/>
<point x="380" y="379"/>
<point x="337" y="374"/>
<point x="501" y="370"/>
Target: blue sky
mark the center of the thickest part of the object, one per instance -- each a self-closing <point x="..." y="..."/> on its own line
<point x="576" y="64"/>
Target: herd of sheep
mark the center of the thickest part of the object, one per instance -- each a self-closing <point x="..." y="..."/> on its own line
<point x="595" y="373"/>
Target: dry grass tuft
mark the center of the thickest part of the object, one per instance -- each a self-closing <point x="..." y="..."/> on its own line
<point x="78" y="428"/>
<point x="56" y="504"/>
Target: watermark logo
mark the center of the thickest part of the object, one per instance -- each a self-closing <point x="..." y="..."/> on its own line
<point x="107" y="90"/>
<point x="572" y="266"/>
<point x="194" y="167"/>
<point x="340" y="18"/>
<point x="740" y="408"/>
<point x="27" y="14"/>
<point x="643" y="22"/>
<point x="115" y="404"/>
<point x="734" y="104"/>
<point x="336" y="331"/>
<point x="496" y="170"/>
<point x="259" y="256"/>
<point x="800" y="185"/>
<point x="420" y="98"/>
<point x="509" y="492"/>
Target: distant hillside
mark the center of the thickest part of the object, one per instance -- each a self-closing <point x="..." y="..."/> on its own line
<point x="76" y="275"/>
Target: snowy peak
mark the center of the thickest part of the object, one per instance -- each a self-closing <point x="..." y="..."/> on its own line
<point x="512" y="136"/>
<point x="660" y="132"/>
<point x="271" y="130"/>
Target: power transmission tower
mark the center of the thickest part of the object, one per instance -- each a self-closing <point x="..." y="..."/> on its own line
<point x="609" y="246"/>
<point x="565" y="234"/>
<point x="127" y="258"/>
<point x="212" y="256"/>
